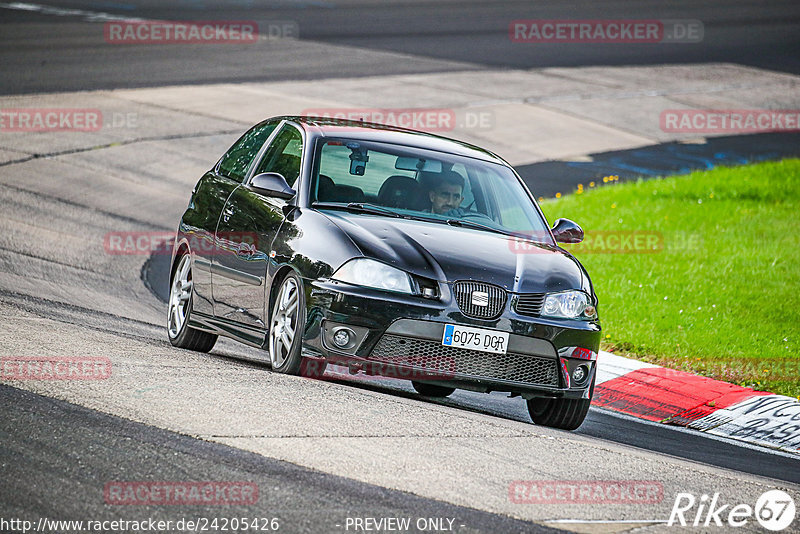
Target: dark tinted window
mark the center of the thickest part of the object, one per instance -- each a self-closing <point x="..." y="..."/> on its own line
<point x="284" y="155"/>
<point x="235" y="162"/>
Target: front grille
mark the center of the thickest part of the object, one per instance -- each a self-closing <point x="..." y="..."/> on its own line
<point x="434" y="357"/>
<point x="530" y="304"/>
<point x="470" y="296"/>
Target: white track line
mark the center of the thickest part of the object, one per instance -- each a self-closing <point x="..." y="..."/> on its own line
<point x="90" y="16"/>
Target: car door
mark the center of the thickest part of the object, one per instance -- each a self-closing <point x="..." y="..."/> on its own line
<point x="208" y="200"/>
<point x="245" y="234"/>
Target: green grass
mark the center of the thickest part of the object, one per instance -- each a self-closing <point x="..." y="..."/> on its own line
<point x="722" y="298"/>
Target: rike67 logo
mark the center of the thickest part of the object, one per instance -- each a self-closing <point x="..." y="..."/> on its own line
<point x="774" y="510"/>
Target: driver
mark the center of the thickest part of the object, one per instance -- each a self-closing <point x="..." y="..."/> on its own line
<point x="447" y="195"/>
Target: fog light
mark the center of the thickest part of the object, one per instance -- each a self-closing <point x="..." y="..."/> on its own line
<point x="341" y="338"/>
<point x="580" y="373"/>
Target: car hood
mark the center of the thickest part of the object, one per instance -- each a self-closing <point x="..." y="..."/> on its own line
<point x="448" y="253"/>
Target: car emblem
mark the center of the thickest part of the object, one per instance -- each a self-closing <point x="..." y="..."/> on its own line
<point x="480" y="298"/>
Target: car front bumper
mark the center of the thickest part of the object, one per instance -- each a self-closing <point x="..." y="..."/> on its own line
<point x="400" y="336"/>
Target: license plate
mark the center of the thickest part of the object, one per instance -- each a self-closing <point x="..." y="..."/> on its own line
<point x="481" y="339"/>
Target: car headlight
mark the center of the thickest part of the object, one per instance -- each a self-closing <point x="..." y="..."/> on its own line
<point x="568" y="305"/>
<point x="371" y="273"/>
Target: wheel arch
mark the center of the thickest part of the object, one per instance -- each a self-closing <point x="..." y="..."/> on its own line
<point x="277" y="279"/>
<point x="180" y="248"/>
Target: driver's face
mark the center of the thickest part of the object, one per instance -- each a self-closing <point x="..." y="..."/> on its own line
<point x="444" y="198"/>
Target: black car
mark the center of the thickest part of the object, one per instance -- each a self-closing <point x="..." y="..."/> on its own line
<point x="392" y="252"/>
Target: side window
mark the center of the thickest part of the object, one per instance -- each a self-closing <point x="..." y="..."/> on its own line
<point x="505" y="198"/>
<point x="236" y="161"/>
<point x="284" y="155"/>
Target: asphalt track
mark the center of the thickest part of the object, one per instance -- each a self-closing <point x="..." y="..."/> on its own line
<point x="57" y="458"/>
<point x="55" y="50"/>
<point x="320" y="450"/>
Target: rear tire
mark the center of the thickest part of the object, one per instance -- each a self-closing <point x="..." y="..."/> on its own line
<point x="180" y="334"/>
<point x="432" y="390"/>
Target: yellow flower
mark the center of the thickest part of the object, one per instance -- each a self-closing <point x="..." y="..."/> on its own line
<point x="558" y="195"/>
<point x="614" y="205"/>
<point x="541" y="199"/>
<point x="591" y="184"/>
<point x="605" y="179"/>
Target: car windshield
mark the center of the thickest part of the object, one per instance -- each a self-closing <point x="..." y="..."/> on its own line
<point x="394" y="180"/>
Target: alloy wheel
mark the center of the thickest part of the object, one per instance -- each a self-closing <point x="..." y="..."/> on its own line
<point x="284" y="323"/>
<point x="179" y="296"/>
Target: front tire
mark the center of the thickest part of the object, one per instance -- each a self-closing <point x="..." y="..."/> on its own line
<point x="288" y="320"/>
<point x="567" y="414"/>
<point x="181" y="335"/>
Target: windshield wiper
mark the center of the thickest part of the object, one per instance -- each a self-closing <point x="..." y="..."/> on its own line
<point x="372" y="208"/>
<point x="359" y="207"/>
<point x="478" y="226"/>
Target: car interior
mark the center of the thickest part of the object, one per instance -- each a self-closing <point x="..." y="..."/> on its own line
<point x="355" y="172"/>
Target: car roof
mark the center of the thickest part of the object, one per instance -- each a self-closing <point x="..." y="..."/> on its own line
<point x="369" y="131"/>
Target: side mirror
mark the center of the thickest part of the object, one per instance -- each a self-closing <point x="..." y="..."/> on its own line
<point x="272" y="184"/>
<point x="566" y="231"/>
